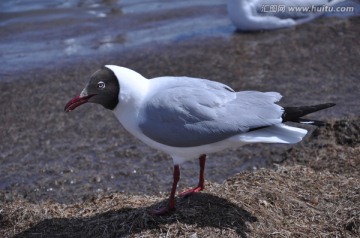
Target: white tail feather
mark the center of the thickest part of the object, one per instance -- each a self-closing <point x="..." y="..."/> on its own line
<point x="280" y="133"/>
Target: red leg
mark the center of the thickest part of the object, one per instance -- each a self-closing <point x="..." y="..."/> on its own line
<point x="171" y="205"/>
<point x="201" y="184"/>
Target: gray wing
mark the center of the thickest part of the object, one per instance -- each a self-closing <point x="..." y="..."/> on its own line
<point x="198" y="112"/>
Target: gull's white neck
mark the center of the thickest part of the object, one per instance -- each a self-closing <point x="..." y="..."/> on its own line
<point x="133" y="90"/>
<point x="241" y="12"/>
<point x="237" y="8"/>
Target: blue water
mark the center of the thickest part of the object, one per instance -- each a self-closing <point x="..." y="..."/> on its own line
<point x="39" y="33"/>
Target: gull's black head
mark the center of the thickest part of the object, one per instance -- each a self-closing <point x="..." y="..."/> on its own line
<point x="103" y="88"/>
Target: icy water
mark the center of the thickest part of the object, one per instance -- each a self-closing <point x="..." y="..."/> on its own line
<point x="38" y="33"/>
<point x="53" y="31"/>
<point x="48" y="48"/>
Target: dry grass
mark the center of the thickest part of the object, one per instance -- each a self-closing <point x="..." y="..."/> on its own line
<point x="288" y="202"/>
<point x="335" y="148"/>
<point x="321" y="199"/>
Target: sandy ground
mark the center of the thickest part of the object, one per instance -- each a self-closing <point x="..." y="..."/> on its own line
<point x="53" y="162"/>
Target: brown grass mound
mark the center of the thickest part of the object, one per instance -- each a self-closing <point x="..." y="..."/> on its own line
<point x="334" y="147"/>
<point x="289" y="202"/>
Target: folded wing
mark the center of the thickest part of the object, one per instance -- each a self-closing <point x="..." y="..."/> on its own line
<point x="188" y="112"/>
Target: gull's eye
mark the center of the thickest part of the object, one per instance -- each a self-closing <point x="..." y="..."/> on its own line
<point x="101" y="85"/>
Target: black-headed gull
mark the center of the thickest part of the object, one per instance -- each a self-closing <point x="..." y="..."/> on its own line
<point x="254" y="15"/>
<point x="189" y="118"/>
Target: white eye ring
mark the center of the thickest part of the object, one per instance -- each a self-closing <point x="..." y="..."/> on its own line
<point x="101" y="85"/>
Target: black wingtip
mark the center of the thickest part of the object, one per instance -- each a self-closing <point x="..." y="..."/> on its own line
<point x="294" y="114"/>
<point x="327" y="105"/>
<point x="315" y="108"/>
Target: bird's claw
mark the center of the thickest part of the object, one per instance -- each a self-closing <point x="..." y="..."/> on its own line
<point x="191" y="191"/>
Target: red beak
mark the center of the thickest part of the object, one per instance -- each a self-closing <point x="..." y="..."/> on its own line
<point x="75" y="102"/>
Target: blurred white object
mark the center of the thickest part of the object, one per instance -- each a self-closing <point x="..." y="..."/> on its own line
<point x="253" y="15"/>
